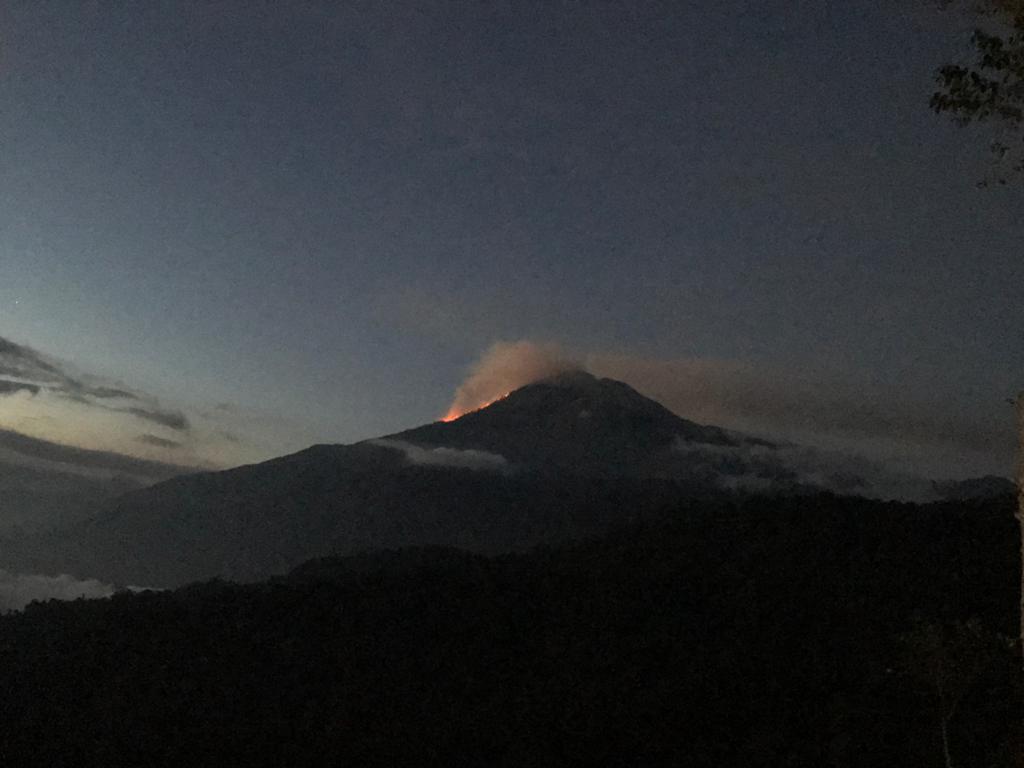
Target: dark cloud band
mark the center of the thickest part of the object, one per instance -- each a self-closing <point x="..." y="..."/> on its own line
<point x="158" y="442"/>
<point x="22" y="362"/>
<point x="171" y="419"/>
<point x="8" y="387"/>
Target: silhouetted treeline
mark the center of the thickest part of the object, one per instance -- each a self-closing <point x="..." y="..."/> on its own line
<point x="802" y="632"/>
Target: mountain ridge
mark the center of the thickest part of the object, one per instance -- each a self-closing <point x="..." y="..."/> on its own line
<point x="558" y="459"/>
<point x="575" y="422"/>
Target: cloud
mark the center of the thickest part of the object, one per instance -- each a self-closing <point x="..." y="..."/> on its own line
<point x="18" y="590"/>
<point x="106" y="413"/>
<point x="42" y="373"/>
<point x="27" y="363"/>
<point x="8" y="387"/>
<point x="507" y="366"/>
<point x="175" y="420"/>
<point x="445" y="457"/>
<point x="159" y="442"/>
<point x="106" y="393"/>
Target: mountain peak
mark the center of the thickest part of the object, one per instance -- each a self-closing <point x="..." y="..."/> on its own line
<point x="572" y="421"/>
<point x="588" y="386"/>
<point x="575" y="379"/>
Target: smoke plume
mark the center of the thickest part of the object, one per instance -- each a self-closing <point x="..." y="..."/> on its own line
<point x="506" y="366"/>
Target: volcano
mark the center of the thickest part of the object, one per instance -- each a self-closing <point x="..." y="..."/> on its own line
<point x="558" y="459"/>
<point x="575" y="422"/>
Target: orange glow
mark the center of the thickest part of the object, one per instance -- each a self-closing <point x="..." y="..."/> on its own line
<point x="457" y="412"/>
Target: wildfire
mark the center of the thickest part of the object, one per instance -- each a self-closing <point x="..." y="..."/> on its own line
<point x="457" y="412"/>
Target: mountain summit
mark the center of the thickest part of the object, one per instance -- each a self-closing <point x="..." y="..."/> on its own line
<point x="574" y="422"/>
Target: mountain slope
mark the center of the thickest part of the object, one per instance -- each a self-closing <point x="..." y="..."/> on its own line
<point x="252" y="522"/>
<point x="579" y="423"/>
<point x="44" y="484"/>
<point x="562" y="458"/>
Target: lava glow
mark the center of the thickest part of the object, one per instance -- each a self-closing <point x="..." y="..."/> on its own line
<point x="455" y="412"/>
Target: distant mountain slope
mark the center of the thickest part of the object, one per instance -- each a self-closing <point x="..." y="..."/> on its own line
<point x="561" y="458"/>
<point x="579" y="423"/>
<point x="45" y="484"/>
<point x="252" y="522"/>
<point x="977" y="488"/>
<point x="36" y="499"/>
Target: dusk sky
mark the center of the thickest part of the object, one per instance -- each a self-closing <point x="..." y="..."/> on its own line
<point x="298" y="222"/>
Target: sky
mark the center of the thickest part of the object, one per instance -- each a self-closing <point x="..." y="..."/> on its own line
<point x="300" y="222"/>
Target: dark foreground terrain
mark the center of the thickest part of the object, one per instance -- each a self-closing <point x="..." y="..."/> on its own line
<point x="818" y="631"/>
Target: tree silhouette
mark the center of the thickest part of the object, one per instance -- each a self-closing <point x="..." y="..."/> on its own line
<point x="949" y="661"/>
<point x="991" y="88"/>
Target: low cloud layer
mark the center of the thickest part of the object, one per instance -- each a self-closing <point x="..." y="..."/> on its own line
<point x="760" y="468"/>
<point x="445" y="457"/>
<point x="18" y="590"/>
<point x="820" y="408"/>
<point x="507" y="366"/>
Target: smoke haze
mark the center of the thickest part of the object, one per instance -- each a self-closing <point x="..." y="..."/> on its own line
<point x="507" y="366"/>
<point x="816" y="407"/>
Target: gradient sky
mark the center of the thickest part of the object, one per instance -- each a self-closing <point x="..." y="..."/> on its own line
<point x="316" y="216"/>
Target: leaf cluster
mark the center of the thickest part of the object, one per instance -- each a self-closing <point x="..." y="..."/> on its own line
<point x="991" y="89"/>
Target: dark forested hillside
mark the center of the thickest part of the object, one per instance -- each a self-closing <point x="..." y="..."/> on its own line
<point x="762" y="632"/>
<point x="252" y="522"/>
